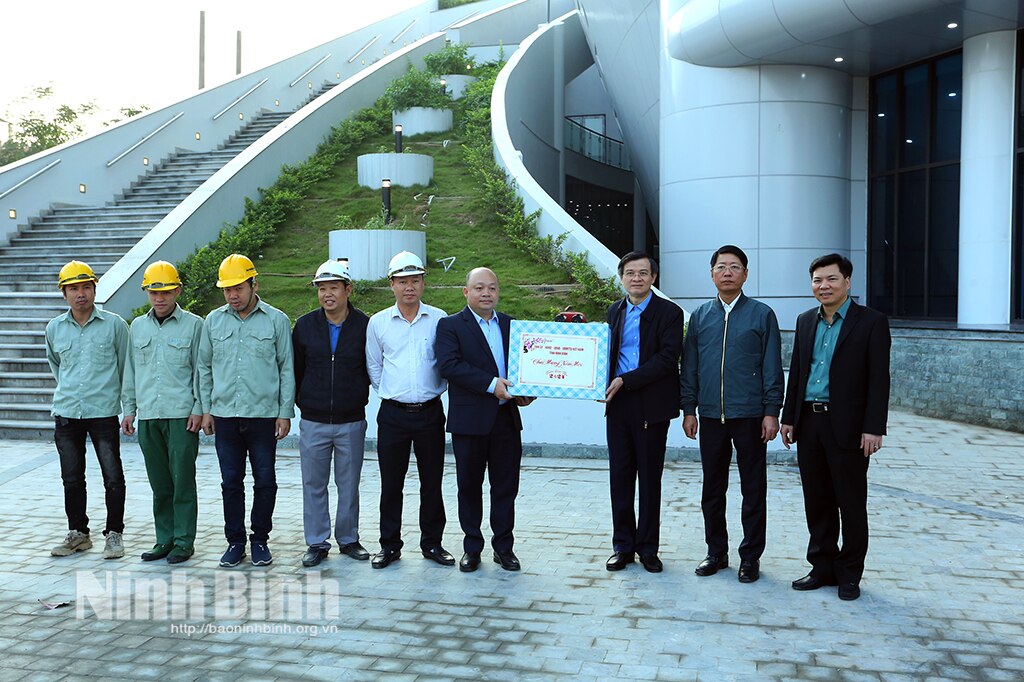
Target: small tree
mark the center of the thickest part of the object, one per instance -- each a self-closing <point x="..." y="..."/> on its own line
<point x="416" y="89"/>
<point x="453" y="59"/>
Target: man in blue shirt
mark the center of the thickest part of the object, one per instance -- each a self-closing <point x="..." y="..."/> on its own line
<point x="642" y="398"/>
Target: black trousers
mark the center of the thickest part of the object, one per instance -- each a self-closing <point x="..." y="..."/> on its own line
<point x="636" y="461"/>
<point x="397" y="432"/>
<point x="69" y="436"/>
<point x="499" y="454"/>
<point x="716" y="444"/>
<point x="835" y="486"/>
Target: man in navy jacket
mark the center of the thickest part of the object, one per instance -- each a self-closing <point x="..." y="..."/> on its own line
<point x="331" y="389"/>
<point x="642" y="398"/>
<point x="483" y="417"/>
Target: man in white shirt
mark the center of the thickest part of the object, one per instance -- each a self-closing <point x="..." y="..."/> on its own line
<point x="403" y="370"/>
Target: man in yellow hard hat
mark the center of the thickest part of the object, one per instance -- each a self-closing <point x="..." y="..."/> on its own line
<point x="159" y="389"/>
<point x="87" y="348"/>
<point x="247" y="392"/>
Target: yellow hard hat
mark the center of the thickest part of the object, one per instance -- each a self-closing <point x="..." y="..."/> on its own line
<point x="234" y="270"/>
<point x="74" y="272"/>
<point x="160" y="276"/>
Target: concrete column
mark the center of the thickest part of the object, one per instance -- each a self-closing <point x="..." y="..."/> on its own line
<point x="759" y="157"/>
<point x="558" y="111"/>
<point x="986" y="179"/>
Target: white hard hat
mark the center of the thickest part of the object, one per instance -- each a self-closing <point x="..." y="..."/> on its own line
<point x="332" y="271"/>
<point x="405" y="264"/>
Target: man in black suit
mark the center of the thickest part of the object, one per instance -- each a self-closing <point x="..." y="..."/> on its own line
<point x="642" y="398"/>
<point x="837" y="405"/>
<point x="472" y="353"/>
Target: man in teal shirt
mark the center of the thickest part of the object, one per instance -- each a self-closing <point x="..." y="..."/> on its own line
<point x="86" y="349"/>
<point x="247" y="391"/>
<point x="159" y="389"/>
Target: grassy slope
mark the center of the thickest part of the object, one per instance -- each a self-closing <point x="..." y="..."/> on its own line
<point x="457" y="225"/>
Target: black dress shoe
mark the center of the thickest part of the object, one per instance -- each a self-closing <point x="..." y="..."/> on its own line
<point x="313" y="556"/>
<point x="470" y="562"/>
<point x="179" y="555"/>
<point x="651" y="562"/>
<point x="158" y="552"/>
<point x="810" y="582"/>
<point x="439" y="555"/>
<point x="712" y="564"/>
<point x="749" y="571"/>
<point x="385" y="557"/>
<point x="507" y="560"/>
<point x="355" y="550"/>
<point x="619" y="560"/>
<point x="849" y="591"/>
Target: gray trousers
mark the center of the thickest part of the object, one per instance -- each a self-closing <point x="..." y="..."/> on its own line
<point x="319" y="445"/>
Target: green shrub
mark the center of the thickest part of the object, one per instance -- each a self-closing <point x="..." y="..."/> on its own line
<point x="453" y="59"/>
<point x="448" y="4"/>
<point x="416" y="89"/>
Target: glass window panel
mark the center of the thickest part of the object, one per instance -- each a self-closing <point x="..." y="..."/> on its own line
<point x="948" y="98"/>
<point x="882" y="251"/>
<point x="911" y="244"/>
<point x="943" y="240"/>
<point x="885" y="145"/>
<point x="915" y="116"/>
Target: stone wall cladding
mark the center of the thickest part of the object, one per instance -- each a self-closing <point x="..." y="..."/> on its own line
<point x="976" y="377"/>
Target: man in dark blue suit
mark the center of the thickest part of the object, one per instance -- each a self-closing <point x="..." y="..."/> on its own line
<point x="472" y="353"/>
<point x="642" y="398"/>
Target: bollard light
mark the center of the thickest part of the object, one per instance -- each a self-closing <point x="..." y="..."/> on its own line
<point x="398" y="138"/>
<point x="444" y="86"/>
<point x="385" y="195"/>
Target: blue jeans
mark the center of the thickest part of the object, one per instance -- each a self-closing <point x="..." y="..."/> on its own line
<point x="238" y="439"/>
<point x="69" y="436"/>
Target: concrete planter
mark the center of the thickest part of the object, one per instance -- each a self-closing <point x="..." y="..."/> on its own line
<point x="369" y="251"/>
<point x="456" y="85"/>
<point x="404" y="170"/>
<point x="417" y="120"/>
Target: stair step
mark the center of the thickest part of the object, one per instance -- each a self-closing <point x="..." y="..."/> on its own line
<point x="34" y="336"/>
<point x="28" y="380"/>
<point x="26" y="395"/>
<point x="135" y="233"/>
<point x="20" y="324"/>
<point x="23" y="365"/>
<point x="23" y="350"/>
<point x="12" y="258"/>
<point x="25" y="412"/>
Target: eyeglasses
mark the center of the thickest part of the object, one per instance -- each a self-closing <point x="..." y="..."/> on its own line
<point x="733" y="268"/>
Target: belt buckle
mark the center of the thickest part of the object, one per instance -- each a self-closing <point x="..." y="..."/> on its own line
<point x="819" y="407"/>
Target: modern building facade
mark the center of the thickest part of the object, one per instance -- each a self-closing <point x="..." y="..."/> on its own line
<point x="892" y="132"/>
<point x="884" y="130"/>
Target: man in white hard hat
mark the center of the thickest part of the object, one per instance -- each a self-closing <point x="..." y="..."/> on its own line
<point x="400" y="360"/>
<point x="86" y="348"/>
<point x="247" y="390"/>
<point x="331" y="389"/>
<point x="159" y="389"/>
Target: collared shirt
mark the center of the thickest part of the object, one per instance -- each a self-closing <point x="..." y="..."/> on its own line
<point x="246" y="367"/>
<point x="492" y="332"/>
<point x="88" y="363"/>
<point x="159" y="375"/>
<point x="825" y="337"/>
<point x="335" y="331"/>
<point x="728" y="306"/>
<point x="400" y="355"/>
<point x="629" y="348"/>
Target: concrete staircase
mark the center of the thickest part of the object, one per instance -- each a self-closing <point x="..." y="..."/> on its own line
<point x="99" y="236"/>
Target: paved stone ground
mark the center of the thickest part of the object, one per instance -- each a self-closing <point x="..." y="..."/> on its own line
<point x="942" y="592"/>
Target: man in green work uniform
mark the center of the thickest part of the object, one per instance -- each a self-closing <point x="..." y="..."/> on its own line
<point x="159" y="389"/>
<point x="247" y="391"/>
<point x="86" y="349"/>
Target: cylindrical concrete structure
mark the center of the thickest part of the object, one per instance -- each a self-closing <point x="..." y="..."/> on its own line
<point x="404" y="170"/>
<point x="986" y="179"/>
<point x="369" y="251"/>
<point x="419" y="120"/>
<point x="760" y="159"/>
